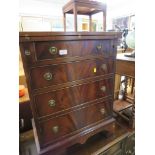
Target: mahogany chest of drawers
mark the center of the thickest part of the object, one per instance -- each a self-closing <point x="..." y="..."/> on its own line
<point x="70" y="78"/>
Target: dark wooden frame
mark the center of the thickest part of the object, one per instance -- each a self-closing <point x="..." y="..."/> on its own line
<point x="29" y="61"/>
<point x="126" y="67"/>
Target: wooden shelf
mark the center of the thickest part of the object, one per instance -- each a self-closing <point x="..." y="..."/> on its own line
<point x="120" y="105"/>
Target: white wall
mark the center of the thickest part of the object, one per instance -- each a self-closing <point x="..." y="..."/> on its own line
<point x="119" y="8"/>
<point x="46" y="8"/>
<point x="41" y="15"/>
<point x="48" y="12"/>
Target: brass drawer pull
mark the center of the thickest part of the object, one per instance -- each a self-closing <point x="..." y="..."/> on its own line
<point x="51" y="103"/>
<point x="48" y="76"/>
<point x="104" y="67"/>
<point x="27" y="52"/>
<point x="55" y="129"/>
<point x="27" y="37"/>
<point x="102" y="110"/>
<point x="103" y="88"/>
<point x="53" y="50"/>
<point x="99" y="47"/>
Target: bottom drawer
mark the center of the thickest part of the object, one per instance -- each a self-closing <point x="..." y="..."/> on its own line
<point x="58" y="127"/>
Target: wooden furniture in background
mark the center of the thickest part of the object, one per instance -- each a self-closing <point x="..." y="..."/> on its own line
<point x="125" y="66"/>
<point x="130" y="144"/>
<point x="70" y="78"/>
<point x="84" y="7"/>
<point x="27" y="144"/>
<point x="25" y="113"/>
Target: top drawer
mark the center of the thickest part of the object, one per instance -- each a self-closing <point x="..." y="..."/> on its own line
<point x="50" y="50"/>
<point x="58" y="49"/>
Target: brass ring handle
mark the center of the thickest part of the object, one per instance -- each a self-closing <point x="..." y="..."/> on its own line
<point x="51" y="103"/>
<point x="53" y="50"/>
<point x="103" y="88"/>
<point x="27" y="37"/>
<point x="55" y="129"/>
<point x="48" y="76"/>
<point x="102" y="110"/>
<point x="104" y="67"/>
<point x="27" y="52"/>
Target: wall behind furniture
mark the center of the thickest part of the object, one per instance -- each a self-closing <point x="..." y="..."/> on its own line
<point x="46" y="15"/>
<point x="41" y="15"/>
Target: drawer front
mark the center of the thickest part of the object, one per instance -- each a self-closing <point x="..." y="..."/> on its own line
<point x="73" y="121"/>
<point x="59" y="100"/>
<point x="67" y="72"/>
<point x="61" y="49"/>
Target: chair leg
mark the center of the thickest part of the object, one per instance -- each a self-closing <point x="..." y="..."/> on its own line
<point x="132" y="86"/>
<point x="126" y="85"/>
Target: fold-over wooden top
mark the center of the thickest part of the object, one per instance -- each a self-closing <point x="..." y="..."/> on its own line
<point x="86" y="7"/>
<point x="36" y="36"/>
